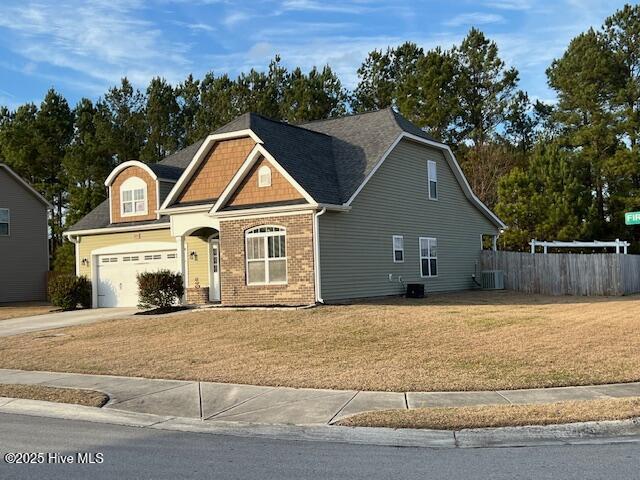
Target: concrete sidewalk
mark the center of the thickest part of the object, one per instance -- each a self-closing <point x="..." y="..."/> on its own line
<point x="221" y="402"/>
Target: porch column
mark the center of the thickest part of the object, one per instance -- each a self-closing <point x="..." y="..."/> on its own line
<point x="182" y="263"/>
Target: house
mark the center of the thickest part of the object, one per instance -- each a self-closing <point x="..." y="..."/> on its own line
<point x="24" y="239"/>
<point x="262" y="212"/>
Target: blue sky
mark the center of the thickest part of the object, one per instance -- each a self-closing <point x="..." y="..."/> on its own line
<point x="83" y="47"/>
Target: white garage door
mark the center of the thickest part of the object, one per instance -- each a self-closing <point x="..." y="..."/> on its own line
<point x="116" y="275"/>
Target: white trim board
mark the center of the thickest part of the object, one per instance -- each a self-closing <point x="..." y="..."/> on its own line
<point x="200" y="156"/>
<point x="123" y="166"/>
<point x="453" y="163"/>
<point x="134" y="228"/>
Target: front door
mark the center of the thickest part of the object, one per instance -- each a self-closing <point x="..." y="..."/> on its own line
<point x="214" y="270"/>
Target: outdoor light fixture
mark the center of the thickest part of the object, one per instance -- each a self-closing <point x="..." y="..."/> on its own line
<point x="85" y="262"/>
<point x="193" y="255"/>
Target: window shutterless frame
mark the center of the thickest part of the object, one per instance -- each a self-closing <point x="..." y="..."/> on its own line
<point x="133" y="198"/>
<point x="5" y="222"/>
<point x="398" y="248"/>
<point x="430" y="259"/>
<point x="432" y="179"/>
<point x="266" y="245"/>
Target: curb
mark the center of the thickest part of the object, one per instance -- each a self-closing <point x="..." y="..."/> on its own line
<point x="618" y="431"/>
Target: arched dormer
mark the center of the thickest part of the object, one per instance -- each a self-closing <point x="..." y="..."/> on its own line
<point x="133" y="193"/>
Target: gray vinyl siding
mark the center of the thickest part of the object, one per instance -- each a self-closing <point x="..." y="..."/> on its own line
<point x="356" y="252"/>
<point x="24" y="256"/>
<point x="165" y="188"/>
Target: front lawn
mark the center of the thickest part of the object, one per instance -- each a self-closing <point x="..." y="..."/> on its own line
<point x="466" y="341"/>
<point x="24" y="309"/>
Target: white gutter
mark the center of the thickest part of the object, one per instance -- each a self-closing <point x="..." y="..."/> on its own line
<point x="316" y="254"/>
<point x="133" y="228"/>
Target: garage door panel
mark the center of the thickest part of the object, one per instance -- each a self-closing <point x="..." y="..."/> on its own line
<point x="117" y="275"/>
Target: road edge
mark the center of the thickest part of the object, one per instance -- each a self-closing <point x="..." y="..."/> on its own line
<point x="617" y="431"/>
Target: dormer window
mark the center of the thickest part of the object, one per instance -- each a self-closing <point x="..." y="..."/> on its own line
<point x="133" y="197"/>
<point x="264" y="176"/>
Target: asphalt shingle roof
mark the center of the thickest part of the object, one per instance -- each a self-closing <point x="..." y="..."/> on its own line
<point x="329" y="158"/>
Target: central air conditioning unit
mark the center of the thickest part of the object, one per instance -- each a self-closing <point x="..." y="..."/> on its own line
<point x="492" y="279"/>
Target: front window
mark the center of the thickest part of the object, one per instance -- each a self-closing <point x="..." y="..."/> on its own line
<point x="133" y="197"/>
<point x="428" y="257"/>
<point x="4" y="221"/>
<point x="266" y="255"/>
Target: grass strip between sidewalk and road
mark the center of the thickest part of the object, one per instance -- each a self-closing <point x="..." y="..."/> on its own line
<point x="88" y="398"/>
<point x="24" y="309"/>
<point x="458" y="418"/>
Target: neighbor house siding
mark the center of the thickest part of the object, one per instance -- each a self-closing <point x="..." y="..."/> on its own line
<point x="356" y="253"/>
<point x="24" y="256"/>
<point x="89" y="243"/>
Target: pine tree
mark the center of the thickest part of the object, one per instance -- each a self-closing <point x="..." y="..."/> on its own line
<point x="127" y="109"/>
<point x="162" y="121"/>
<point x="188" y="98"/>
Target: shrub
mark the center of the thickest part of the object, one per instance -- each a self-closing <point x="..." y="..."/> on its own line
<point x="67" y="291"/>
<point x="160" y="289"/>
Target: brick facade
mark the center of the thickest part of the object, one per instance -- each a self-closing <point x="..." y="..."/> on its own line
<point x="152" y="199"/>
<point x="217" y="170"/>
<point x="197" y="295"/>
<point x="300" y="287"/>
<point x="249" y="193"/>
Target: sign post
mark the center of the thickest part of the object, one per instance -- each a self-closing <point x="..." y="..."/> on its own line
<point x="632" y="218"/>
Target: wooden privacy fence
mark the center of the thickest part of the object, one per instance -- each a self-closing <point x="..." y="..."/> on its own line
<point x="566" y="273"/>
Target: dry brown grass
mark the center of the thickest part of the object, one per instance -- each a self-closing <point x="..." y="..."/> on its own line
<point x="24" y="309"/>
<point x="499" y="415"/>
<point x="88" y="398"/>
<point x="467" y="341"/>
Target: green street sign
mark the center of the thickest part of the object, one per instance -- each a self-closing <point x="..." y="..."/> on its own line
<point x="632" y="218"/>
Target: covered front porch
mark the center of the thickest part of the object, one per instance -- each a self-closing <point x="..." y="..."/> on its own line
<point x="198" y="239"/>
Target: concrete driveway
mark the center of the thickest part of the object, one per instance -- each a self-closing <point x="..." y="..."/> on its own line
<point x="49" y="321"/>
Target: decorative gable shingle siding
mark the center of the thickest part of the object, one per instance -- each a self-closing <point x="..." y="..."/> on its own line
<point x="152" y="199"/>
<point x="249" y="193"/>
<point x="217" y="170"/>
<point x="24" y="255"/>
<point x="356" y="253"/>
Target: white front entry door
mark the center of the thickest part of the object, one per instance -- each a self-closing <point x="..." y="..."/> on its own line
<point x="116" y="275"/>
<point x="214" y="270"/>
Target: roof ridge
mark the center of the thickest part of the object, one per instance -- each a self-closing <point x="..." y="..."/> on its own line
<point x="350" y="115"/>
<point x="287" y="124"/>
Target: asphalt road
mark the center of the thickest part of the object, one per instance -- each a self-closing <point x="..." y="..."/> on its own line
<point x="130" y="452"/>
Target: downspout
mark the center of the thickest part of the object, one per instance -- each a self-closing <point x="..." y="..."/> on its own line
<point x="75" y="241"/>
<point x="316" y="254"/>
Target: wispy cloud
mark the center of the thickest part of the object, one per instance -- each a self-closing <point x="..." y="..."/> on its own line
<point x="232" y="19"/>
<point x="474" y="18"/>
<point x="325" y="6"/>
<point x="509" y="4"/>
<point x="101" y="39"/>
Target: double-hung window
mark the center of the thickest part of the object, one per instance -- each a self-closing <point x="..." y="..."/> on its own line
<point x="4" y="222"/>
<point x="266" y="255"/>
<point x="398" y="249"/>
<point x="432" y="176"/>
<point x="428" y="257"/>
<point x="133" y="197"/>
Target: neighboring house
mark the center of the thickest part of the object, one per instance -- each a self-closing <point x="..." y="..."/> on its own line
<point x="24" y="239"/>
<point x="266" y="213"/>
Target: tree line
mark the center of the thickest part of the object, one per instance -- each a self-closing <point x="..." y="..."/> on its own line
<point x="567" y="170"/>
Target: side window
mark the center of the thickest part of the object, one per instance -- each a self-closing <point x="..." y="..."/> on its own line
<point x="266" y="255"/>
<point x="432" y="175"/>
<point x="4" y="222"/>
<point x="428" y="257"/>
<point x="398" y="249"/>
